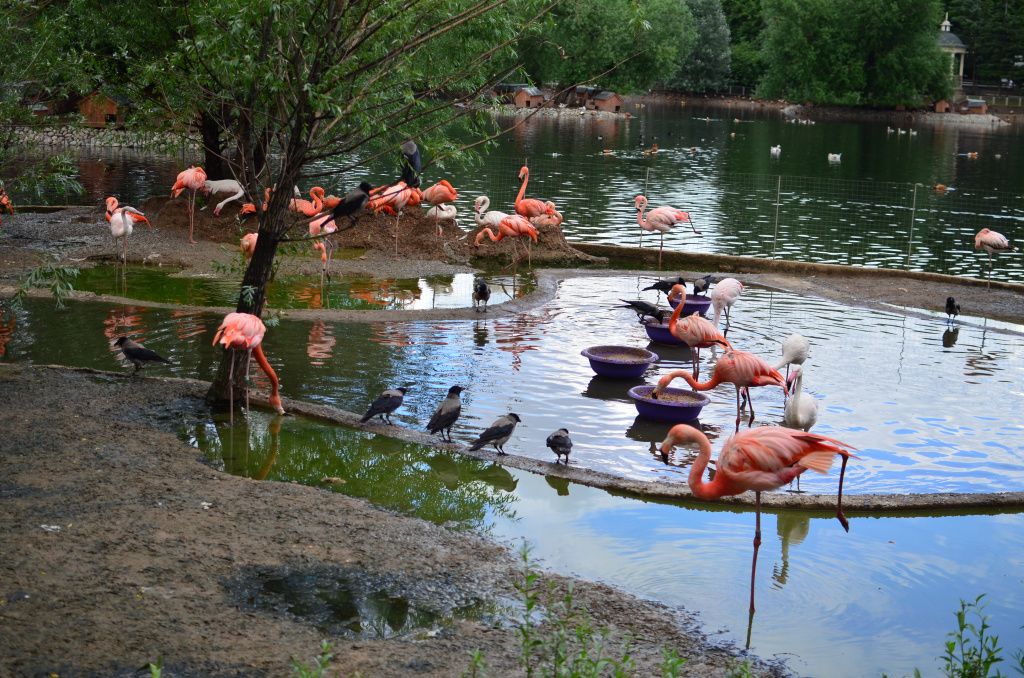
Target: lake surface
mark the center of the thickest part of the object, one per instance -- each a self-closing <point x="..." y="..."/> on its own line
<point x="877" y="207"/>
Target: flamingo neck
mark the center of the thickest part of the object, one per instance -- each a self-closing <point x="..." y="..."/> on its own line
<point x="640" y="218"/>
<point x="714" y="381"/>
<point x="701" y="489"/>
<point x="479" y="212"/>
<point x="522" y="189"/>
<point x="275" y="396"/>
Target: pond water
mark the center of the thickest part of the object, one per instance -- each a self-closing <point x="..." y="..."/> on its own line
<point x="151" y="283"/>
<point x="716" y="164"/>
<point x="932" y="408"/>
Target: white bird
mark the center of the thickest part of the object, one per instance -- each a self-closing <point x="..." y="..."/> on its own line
<point x="121" y="218"/>
<point x="443" y="212"/>
<point x="483" y="217"/>
<point x="795" y="348"/>
<point x="801" y="408"/>
<point x="889" y="130"/>
<point x="776" y="151"/>
<point x="835" y="157"/>
<point x="992" y="243"/>
<point x="221" y="186"/>
<point x="723" y="296"/>
<point x="913" y="132"/>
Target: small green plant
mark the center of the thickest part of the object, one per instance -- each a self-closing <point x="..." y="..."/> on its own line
<point x="248" y="294"/>
<point x="671" y="663"/>
<point x="156" y="668"/>
<point x="320" y="663"/>
<point x="740" y="669"/>
<point x="971" y="651"/>
<point x="50" y="274"/>
<point x="477" y="666"/>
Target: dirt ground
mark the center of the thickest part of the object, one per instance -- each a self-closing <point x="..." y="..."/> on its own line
<point x="120" y="546"/>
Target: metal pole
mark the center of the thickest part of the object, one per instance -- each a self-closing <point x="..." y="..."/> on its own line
<point x="778" y="192"/>
<point x="913" y="216"/>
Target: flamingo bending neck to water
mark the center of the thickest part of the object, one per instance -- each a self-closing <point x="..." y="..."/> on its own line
<point x="507" y="225"/>
<point x="193" y="179"/>
<point x="760" y="459"/>
<point x="740" y="368"/>
<point x="695" y="331"/>
<point x="723" y="296"/>
<point x="246" y="331"/>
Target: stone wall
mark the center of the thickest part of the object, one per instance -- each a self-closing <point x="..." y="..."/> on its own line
<point x="71" y="136"/>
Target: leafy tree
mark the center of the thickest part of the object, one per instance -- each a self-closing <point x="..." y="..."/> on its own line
<point x="628" y="45"/>
<point x="993" y="31"/>
<point x="746" y="28"/>
<point x="707" y="66"/>
<point x="854" y="52"/>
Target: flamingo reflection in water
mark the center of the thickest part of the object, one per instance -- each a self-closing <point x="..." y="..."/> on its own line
<point x="760" y="459"/>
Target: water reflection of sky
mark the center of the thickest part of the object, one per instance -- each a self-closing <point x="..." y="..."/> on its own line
<point x="925" y="416"/>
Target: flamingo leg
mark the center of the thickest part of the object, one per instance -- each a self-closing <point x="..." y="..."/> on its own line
<point x="191" y="211"/>
<point x="839" y="502"/>
<point x="231" y="391"/>
<point x="757" y="545"/>
<point x="661" y="246"/>
<point x="738" y="389"/>
<point x="746" y="390"/>
<point x="696" y="361"/>
<point x="248" y="363"/>
<point x="989" y="284"/>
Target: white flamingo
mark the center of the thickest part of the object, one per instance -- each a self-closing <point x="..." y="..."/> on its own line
<point x="801" y="409"/>
<point x="220" y="187"/>
<point x="723" y="296"/>
<point x="121" y="219"/>
<point x="992" y="243"/>
<point x="795" y="348"/>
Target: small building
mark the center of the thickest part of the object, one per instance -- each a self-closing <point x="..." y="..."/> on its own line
<point x="506" y="91"/>
<point x="529" y="97"/>
<point x="955" y="47"/>
<point x="942" y="106"/>
<point x="583" y="94"/>
<point x="607" y="101"/>
<point x="99" y="110"/>
<point x="974" y="107"/>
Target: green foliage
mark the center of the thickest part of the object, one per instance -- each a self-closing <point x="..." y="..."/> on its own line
<point x="50" y="274"/>
<point x="993" y="31"/>
<point x="971" y="651"/>
<point x="320" y="663"/>
<point x="707" y="66"/>
<point x="740" y="670"/>
<point x="626" y="45"/>
<point x="854" y="52"/>
<point x="156" y="669"/>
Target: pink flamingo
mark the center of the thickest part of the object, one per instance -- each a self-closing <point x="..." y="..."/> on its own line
<point x="121" y="220"/>
<point x="991" y="242"/>
<point x="723" y="296"/>
<point x="507" y="225"/>
<point x="740" y="368"/>
<point x="305" y="207"/>
<point x="440" y="195"/>
<point x="392" y="199"/>
<point x="248" y="244"/>
<point x="660" y="219"/>
<point x="695" y="331"/>
<point x="326" y="225"/>
<point x="551" y="218"/>
<point x="760" y="459"/>
<point x="530" y="207"/>
<point x="246" y="331"/>
<point x="329" y="201"/>
<point x="5" y="203"/>
<point x="193" y="179"/>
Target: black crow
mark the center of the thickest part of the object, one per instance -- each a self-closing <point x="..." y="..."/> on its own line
<point x="388" y="401"/>
<point x="447" y="413"/>
<point x="351" y="204"/>
<point x="666" y="284"/>
<point x="481" y="294"/>
<point x="952" y="309"/>
<point x="411" y="166"/>
<point x="560" y="444"/>
<point x="644" y="308"/>
<point x="498" y="433"/>
<point x="138" y="354"/>
<point x="701" y="285"/>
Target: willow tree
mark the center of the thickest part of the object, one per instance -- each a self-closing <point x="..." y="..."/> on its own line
<point x="298" y="81"/>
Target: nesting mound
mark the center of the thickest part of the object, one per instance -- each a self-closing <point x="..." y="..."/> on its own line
<point x="417" y="235"/>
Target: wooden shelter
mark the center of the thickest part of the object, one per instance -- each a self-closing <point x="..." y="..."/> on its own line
<point x="607" y="101"/>
<point x="100" y="110"/>
<point x="529" y="97"/>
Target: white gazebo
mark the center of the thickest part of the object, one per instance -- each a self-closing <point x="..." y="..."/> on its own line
<point x="953" y="45"/>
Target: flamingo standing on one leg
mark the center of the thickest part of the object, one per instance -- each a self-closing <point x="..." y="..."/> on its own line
<point x="660" y="219"/>
<point x="760" y="459"/>
<point x="245" y="331"/>
<point x="220" y="187"/>
<point x="440" y="196"/>
<point x="739" y="368"/>
<point x="121" y="220"/>
<point x="696" y="332"/>
<point x="193" y="179"/>
<point x="795" y="349"/>
<point x="530" y="207"/>
<point x="248" y="244"/>
<point x="324" y="224"/>
<point x="723" y="296"/>
<point x="991" y="242"/>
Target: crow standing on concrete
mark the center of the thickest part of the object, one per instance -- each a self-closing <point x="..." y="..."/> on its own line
<point x="388" y="401"/>
<point x="138" y="354"/>
<point x="447" y="413"/>
<point x="644" y="309"/>
<point x="481" y="294"/>
<point x="952" y="309"/>
<point x="498" y="433"/>
<point x="560" y="444"/>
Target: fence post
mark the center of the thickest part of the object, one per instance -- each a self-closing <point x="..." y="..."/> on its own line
<point x="913" y="217"/>
<point x="778" y="192"/>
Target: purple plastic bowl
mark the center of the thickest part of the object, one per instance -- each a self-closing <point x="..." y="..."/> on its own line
<point x="660" y="410"/>
<point x="695" y="303"/>
<point x="659" y="332"/>
<point x="602" y="362"/>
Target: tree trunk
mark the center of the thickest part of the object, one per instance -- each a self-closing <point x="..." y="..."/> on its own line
<point x="213" y="150"/>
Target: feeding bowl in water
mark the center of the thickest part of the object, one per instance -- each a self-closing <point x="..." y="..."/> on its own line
<point x="659" y="332"/>
<point x="695" y="303"/>
<point x="623" y="362"/>
<point x="673" y="404"/>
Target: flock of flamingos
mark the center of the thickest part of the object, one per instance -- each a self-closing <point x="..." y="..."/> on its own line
<point x="755" y="459"/>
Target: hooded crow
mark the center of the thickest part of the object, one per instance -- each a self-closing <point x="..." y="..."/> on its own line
<point x="138" y="354"/>
<point x="701" y="285"/>
<point x="560" y="444"/>
<point x="665" y="284"/>
<point x="388" y="401"/>
<point x="481" y="294"/>
<point x="354" y="201"/>
<point x="498" y="433"/>
<point x="447" y="413"/>
<point x="952" y="309"/>
<point x="644" y="308"/>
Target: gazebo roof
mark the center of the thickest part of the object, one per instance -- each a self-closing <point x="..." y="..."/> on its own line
<point x="949" y="41"/>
